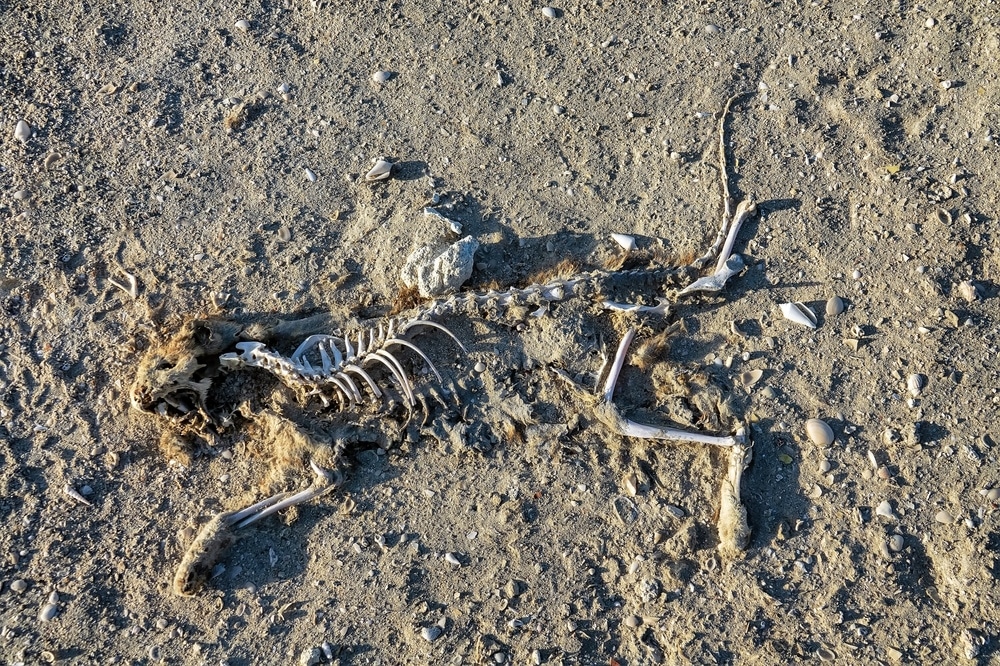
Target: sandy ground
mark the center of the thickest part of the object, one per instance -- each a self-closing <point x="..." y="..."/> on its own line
<point x="869" y="146"/>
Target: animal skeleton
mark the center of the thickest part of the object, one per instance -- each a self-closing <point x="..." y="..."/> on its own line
<point x="346" y="367"/>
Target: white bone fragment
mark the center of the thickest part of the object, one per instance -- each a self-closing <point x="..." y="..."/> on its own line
<point x="662" y="308"/>
<point x="132" y="286"/>
<point x="717" y="281"/>
<point x="355" y="393"/>
<point x="396" y="374"/>
<point x="406" y="343"/>
<point x="798" y="313"/>
<point x="734" y="532"/>
<point x="456" y="227"/>
<point x="433" y="324"/>
<point x="626" y="241"/>
<point x="350" y="367"/>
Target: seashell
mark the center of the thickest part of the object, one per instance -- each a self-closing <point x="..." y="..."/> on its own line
<point x="243" y="25"/>
<point x="51" y="607"/>
<point x="51" y="159"/>
<point x="310" y="175"/>
<point x="968" y="290"/>
<point x="799" y="313"/>
<point x="834" y="306"/>
<point x="452" y="559"/>
<point x="631" y="484"/>
<point x="380" y="171"/>
<point x="819" y="432"/>
<point x="549" y="12"/>
<point x="750" y="377"/>
<point x="915" y="384"/>
<point x="22" y="131"/>
<point x="944" y="517"/>
<point x="633" y="621"/>
<point x="626" y="241"/>
<point x="885" y="510"/>
<point x="381" y="76"/>
<point x="992" y="494"/>
<point x="430" y="634"/>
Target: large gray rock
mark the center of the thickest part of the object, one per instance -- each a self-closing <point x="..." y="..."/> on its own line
<point x="439" y="268"/>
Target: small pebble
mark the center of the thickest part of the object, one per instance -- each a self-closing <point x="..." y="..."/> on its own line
<point x="944" y="517"/>
<point x="633" y="621"/>
<point x="310" y="175"/>
<point x="824" y="466"/>
<point x="558" y="110"/>
<point x="162" y="624"/>
<point x="284" y="234"/>
<point x="430" y="634"/>
<point x="310" y="656"/>
<point x="452" y="559"/>
<point x="243" y="25"/>
<point x="856" y="275"/>
<point x="22" y="131"/>
<point x="885" y="510"/>
<point x="819" y="432"/>
<point x="21" y="195"/>
<point x="896" y="543"/>
<point x="19" y="585"/>
<point x="381" y="76"/>
<point x="946" y="84"/>
<point x="930" y="23"/>
<point x="712" y="29"/>
<point x="993" y="494"/>
<point x="480" y="367"/>
<point x="549" y="12"/>
<point x="834" y="306"/>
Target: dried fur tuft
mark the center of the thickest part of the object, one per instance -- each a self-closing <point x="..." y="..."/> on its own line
<point x="176" y="447"/>
<point x="564" y="268"/>
<point x="407" y="299"/>
<point x="512" y="433"/>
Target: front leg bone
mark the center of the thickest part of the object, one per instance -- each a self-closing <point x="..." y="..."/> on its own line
<point x="734" y="532"/>
<point x="217" y="535"/>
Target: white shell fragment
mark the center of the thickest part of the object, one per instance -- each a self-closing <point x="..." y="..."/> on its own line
<point x="455" y="227"/>
<point x="310" y="175"/>
<point x="48" y="612"/>
<point x="243" y="25"/>
<point x="751" y="377"/>
<point x="799" y="313"/>
<point x="915" y="384"/>
<point x="626" y="241"/>
<point x="381" y="76"/>
<point x="70" y="491"/>
<point x="22" y="131"/>
<point x="819" y="432"/>
<point x="380" y="171"/>
<point x="549" y="12"/>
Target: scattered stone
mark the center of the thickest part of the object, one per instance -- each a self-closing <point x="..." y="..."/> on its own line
<point x="381" y="76"/>
<point x="944" y="517"/>
<point x="834" y="306"/>
<point x="550" y="12"/>
<point x="19" y="585"/>
<point x="438" y="269"/>
<point x="431" y="634"/>
<point x="885" y="510"/>
<point x="22" y="131"/>
<point x="896" y="543"/>
<point x="243" y="25"/>
<point x="310" y="656"/>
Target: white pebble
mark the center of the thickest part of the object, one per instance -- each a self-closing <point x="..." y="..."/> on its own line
<point x="930" y="23"/>
<point x="558" y="110"/>
<point x="712" y="29"/>
<point x="19" y="585"/>
<point x="22" y="131"/>
<point x="243" y="25"/>
<point x="896" y="543"/>
<point x="944" y="518"/>
<point x="310" y="175"/>
<point x="430" y="634"/>
<point x="480" y="367"/>
<point x="946" y="84"/>
<point x="885" y="510"/>
<point x="549" y="12"/>
<point x="451" y="559"/>
<point x="284" y="88"/>
<point x="381" y="76"/>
